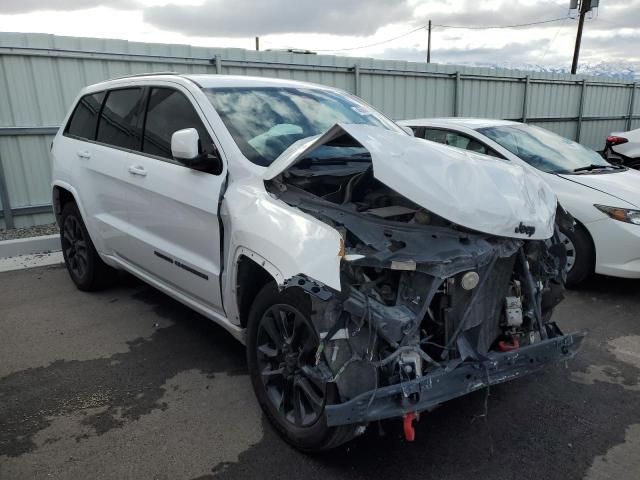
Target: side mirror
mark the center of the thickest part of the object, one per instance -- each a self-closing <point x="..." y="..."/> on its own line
<point x="185" y="144"/>
<point x="409" y="130"/>
<point x="185" y="148"/>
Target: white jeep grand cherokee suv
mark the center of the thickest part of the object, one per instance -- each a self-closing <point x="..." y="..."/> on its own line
<point x="370" y="274"/>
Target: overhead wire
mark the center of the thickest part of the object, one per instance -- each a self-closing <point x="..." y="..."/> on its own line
<point x="554" y="39"/>
<point x="490" y="27"/>
<point x="423" y="27"/>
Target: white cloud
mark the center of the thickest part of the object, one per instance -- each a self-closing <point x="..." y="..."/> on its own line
<point x="611" y="34"/>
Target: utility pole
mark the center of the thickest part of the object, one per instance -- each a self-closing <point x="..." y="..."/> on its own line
<point x="257" y="44"/>
<point x="585" y="7"/>
<point x="429" y="43"/>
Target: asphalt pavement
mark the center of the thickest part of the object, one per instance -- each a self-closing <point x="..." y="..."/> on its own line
<point x="127" y="383"/>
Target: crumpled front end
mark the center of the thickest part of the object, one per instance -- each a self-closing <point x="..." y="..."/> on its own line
<point x="428" y="310"/>
<point x="406" y="335"/>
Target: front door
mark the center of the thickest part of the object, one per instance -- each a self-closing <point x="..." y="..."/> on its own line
<point x="173" y="210"/>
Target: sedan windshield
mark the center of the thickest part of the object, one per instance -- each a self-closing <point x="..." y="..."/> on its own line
<point x="265" y="121"/>
<point x="545" y="150"/>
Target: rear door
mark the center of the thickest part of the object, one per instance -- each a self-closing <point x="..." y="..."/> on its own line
<point x="173" y="210"/>
<point x="103" y="130"/>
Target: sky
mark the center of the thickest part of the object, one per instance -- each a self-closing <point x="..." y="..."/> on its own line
<point x="364" y="28"/>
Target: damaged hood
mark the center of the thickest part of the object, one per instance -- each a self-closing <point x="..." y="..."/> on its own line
<point x="475" y="191"/>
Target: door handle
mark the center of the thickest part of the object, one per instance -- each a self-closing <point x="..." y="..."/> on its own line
<point x="137" y="170"/>
<point x="84" y="154"/>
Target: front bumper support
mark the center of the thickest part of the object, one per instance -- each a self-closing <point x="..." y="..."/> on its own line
<point x="442" y="385"/>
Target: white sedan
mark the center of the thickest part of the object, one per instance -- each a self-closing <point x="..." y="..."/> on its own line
<point x="603" y="198"/>
<point x="624" y="148"/>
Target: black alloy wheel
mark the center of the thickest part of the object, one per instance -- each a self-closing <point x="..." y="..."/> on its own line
<point x="282" y="343"/>
<point x="85" y="267"/>
<point x="286" y="346"/>
<point x="74" y="245"/>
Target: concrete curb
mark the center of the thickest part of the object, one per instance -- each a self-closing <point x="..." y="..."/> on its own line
<point x="29" y="246"/>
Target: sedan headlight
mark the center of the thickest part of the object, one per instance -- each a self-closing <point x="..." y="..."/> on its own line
<point x="622" y="214"/>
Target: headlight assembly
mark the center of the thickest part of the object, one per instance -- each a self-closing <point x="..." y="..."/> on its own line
<point x="622" y="214"/>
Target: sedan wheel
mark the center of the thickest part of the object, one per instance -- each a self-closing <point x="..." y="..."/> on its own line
<point x="580" y="254"/>
<point x="571" y="251"/>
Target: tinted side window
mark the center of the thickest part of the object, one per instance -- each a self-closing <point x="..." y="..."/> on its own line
<point x="168" y="111"/>
<point x="459" y="140"/>
<point x="418" y="132"/>
<point x="435" y="135"/>
<point x="120" y="119"/>
<point x="84" y="118"/>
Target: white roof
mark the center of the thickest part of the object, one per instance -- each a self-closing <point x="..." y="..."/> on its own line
<point x="211" y="81"/>
<point x="472" y="123"/>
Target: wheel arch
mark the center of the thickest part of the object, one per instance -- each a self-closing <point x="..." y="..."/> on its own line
<point x="61" y="194"/>
<point x="252" y="273"/>
<point x="583" y="227"/>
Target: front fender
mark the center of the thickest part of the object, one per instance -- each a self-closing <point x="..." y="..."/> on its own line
<point x="282" y="239"/>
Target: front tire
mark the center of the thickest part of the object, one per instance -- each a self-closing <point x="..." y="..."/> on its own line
<point x="580" y="254"/>
<point x="85" y="267"/>
<point x="281" y="344"/>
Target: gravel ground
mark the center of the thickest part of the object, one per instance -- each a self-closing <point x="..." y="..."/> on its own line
<point x="48" y="229"/>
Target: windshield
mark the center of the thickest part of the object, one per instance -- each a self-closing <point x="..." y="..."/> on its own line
<point x="265" y="121"/>
<point x="545" y="150"/>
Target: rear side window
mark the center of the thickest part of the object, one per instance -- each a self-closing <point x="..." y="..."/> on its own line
<point x="120" y="118"/>
<point x="435" y="135"/>
<point x="459" y="140"/>
<point x="84" y="119"/>
<point x="168" y="111"/>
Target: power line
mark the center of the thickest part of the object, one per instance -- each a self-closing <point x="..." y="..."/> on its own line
<point x="422" y="27"/>
<point x="504" y="26"/>
<point x="554" y="38"/>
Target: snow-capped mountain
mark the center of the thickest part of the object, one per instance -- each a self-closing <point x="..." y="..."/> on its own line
<point x="622" y="71"/>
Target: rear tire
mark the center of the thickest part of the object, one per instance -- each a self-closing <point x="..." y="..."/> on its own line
<point x="85" y="267"/>
<point x="293" y="403"/>
<point x="580" y="254"/>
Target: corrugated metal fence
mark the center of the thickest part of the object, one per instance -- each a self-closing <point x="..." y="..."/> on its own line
<point x="40" y="75"/>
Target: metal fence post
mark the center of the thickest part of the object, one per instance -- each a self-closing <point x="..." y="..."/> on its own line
<point x="217" y="61"/>
<point x="525" y="101"/>
<point x="4" y="197"/>
<point x="631" y="102"/>
<point x="356" y="76"/>
<point x="456" y="96"/>
<point x="580" y="110"/>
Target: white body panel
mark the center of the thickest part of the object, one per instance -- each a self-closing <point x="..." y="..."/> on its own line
<point x="617" y="244"/>
<point x="98" y="175"/>
<point x="631" y="148"/>
<point x="292" y="241"/>
<point x="173" y="213"/>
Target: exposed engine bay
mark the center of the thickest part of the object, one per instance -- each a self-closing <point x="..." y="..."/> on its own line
<point x="428" y="310"/>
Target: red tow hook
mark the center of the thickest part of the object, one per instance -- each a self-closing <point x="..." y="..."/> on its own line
<point x="508" y="347"/>
<point x="407" y="424"/>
